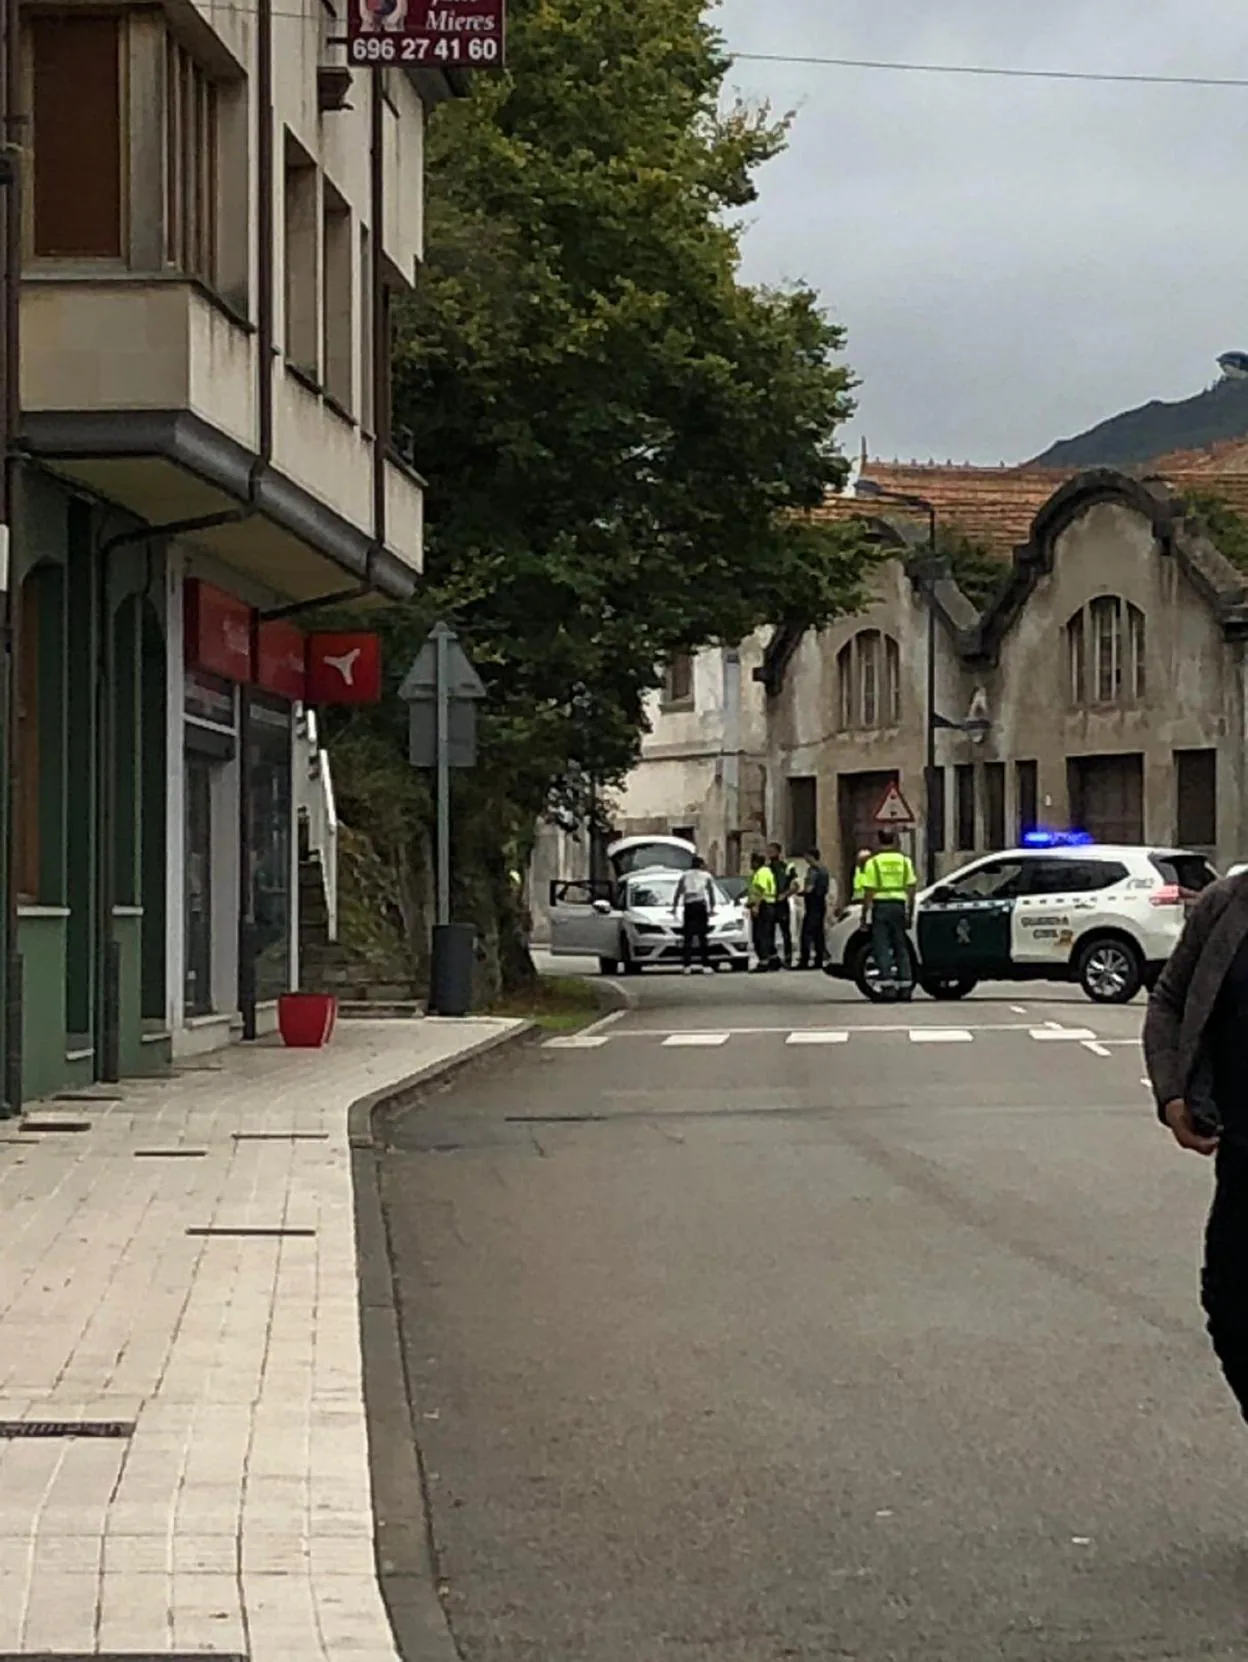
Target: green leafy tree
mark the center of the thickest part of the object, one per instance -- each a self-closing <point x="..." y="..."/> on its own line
<point x="620" y="436"/>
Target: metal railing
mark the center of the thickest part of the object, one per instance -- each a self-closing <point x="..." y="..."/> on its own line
<point x="318" y="815"/>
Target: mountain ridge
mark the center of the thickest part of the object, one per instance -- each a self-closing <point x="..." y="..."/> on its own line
<point x="1136" y="437"/>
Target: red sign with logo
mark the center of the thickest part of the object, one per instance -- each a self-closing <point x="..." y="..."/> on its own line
<point x="343" y="669"/>
<point x="217" y="631"/>
<point x="435" y="34"/>
<point x="280" y="659"/>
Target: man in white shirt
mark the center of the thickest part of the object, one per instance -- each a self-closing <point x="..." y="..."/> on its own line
<point x="696" y="890"/>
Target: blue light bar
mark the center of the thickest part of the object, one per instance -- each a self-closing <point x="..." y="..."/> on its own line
<point x="1057" y="839"/>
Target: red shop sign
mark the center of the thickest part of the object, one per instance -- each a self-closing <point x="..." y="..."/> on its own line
<point x="217" y="631"/>
<point x="280" y="659"/>
<point x="344" y="669"/>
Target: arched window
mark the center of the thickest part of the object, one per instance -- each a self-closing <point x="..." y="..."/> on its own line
<point x="868" y="682"/>
<point x="1106" y="653"/>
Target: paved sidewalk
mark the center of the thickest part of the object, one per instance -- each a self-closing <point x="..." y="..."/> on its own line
<point x="237" y="1516"/>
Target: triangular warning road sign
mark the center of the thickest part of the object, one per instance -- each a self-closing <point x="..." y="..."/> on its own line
<point x="893" y="808"/>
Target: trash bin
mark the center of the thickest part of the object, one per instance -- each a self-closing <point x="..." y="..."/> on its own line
<point x="450" y="974"/>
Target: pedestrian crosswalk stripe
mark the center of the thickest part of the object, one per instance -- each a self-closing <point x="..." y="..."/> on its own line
<point x="692" y="1041"/>
<point x="940" y="1036"/>
<point x="579" y="1041"/>
<point x="1071" y="1035"/>
<point x="814" y="1036"/>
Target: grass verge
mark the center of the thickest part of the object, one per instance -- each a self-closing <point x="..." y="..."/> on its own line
<point x="557" y="1003"/>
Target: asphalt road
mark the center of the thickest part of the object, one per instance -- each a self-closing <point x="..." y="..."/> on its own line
<point x="764" y="1324"/>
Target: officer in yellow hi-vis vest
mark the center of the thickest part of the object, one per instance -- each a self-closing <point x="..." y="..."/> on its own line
<point x="889" y="885"/>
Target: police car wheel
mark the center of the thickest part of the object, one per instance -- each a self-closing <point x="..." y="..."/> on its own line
<point x="948" y="986"/>
<point x="867" y="980"/>
<point x="628" y="963"/>
<point x="607" y="966"/>
<point x="1109" y="970"/>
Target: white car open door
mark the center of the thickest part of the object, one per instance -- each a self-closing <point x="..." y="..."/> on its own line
<point x="583" y="923"/>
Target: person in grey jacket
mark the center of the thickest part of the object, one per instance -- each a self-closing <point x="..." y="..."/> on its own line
<point x="1196" y="1052"/>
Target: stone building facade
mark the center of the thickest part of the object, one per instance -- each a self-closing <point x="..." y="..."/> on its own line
<point x="1105" y="679"/>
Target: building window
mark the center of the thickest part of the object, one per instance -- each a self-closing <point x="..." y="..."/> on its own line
<point x="964" y="806"/>
<point x="994" y="805"/>
<point x="76" y="100"/>
<point x="678" y="682"/>
<point x="191" y="150"/>
<point x="1026" y="796"/>
<point x="868" y="671"/>
<point x="1106" y="653"/>
<point x="936" y="809"/>
<point x="302" y="280"/>
<point x="1196" y="789"/>
<point x="803" y="815"/>
<point x="336" y="301"/>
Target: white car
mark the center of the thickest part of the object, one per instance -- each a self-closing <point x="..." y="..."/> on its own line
<point x="1056" y="910"/>
<point x="641" y="927"/>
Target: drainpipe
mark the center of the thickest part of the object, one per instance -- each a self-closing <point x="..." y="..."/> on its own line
<point x="731" y="766"/>
<point x="12" y="124"/>
<point x="265" y="347"/>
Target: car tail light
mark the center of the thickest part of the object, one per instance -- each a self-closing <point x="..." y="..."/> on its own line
<point x="1170" y="895"/>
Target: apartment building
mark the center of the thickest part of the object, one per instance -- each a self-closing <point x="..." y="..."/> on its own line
<point x="218" y="213"/>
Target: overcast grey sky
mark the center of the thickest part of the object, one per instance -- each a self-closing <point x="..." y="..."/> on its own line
<point x="1014" y="260"/>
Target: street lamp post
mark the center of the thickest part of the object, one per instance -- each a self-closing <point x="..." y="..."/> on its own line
<point x="931" y="570"/>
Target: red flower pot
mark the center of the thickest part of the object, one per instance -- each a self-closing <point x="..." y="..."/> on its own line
<point x="306" y="1020"/>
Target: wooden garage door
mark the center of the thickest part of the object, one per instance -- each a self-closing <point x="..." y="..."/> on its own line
<point x="858" y="796"/>
<point x="1107" y="797"/>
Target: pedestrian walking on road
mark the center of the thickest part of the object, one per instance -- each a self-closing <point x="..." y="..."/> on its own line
<point x="1194" y="1049"/>
<point x="696" y="891"/>
<point x="814" y="912"/>
<point x="786" y="889"/>
<point x="762" y="904"/>
<point x="889" y="885"/>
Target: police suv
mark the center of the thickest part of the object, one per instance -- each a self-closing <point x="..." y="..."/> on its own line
<point x="1060" y="908"/>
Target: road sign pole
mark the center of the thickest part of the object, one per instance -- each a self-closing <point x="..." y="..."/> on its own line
<point x="443" y="696"/>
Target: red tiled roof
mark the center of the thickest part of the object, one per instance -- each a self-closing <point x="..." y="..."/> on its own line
<point x="1230" y="456"/>
<point x="992" y="507"/>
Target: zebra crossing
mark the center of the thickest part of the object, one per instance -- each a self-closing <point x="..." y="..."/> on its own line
<point x="808" y="1037"/>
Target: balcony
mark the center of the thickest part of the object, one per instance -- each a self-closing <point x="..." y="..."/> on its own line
<point x="144" y="391"/>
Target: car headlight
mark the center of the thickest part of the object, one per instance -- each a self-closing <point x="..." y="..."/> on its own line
<point x="650" y="929"/>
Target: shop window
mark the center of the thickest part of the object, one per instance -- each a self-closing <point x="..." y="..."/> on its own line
<point x="192" y="148"/>
<point x="269" y="784"/>
<point x="28" y="715"/>
<point x="77" y="132"/>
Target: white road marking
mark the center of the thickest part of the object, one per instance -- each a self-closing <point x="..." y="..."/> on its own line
<point x="1137" y="1042"/>
<point x="603" y="1022"/>
<point x="690" y="1041"/>
<point x="1019" y="1009"/>
<point x="1096" y="1047"/>
<point x="577" y="1041"/>
<point x="940" y="1036"/>
<point x="1070" y="1035"/>
<point x="813" y="1036"/>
